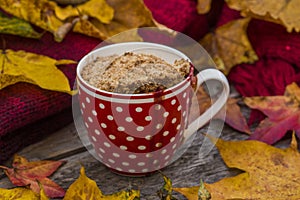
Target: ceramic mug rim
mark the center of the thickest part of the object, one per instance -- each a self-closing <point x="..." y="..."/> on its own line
<point x="84" y="84"/>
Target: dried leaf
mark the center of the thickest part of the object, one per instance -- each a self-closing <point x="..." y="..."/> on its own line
<point x="128" y="15"/>
<point x="20" y="194"/>
<point x="270" y="173"/>
<point x="21" y="66"/>
<point x="195" y="192"/>
<point x="16" y="26"/>
<point x="203" y="6"/>
<point x="35" y="175"/>
<point x="283" y="12"/>
<point x="165" y="193"/>
<point x="229" y="45"/>
<point x="282" y="114"/>
<point x="85" y="188"/>
<point x="234" y="117"/>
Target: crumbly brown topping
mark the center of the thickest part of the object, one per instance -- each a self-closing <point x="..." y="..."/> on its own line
<point x="134" y="73"/>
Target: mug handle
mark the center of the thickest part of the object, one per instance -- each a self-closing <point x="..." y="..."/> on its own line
<point x="203" y="76"/>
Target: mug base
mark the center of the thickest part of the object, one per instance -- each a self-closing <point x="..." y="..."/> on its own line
<point x="128" y="174"/>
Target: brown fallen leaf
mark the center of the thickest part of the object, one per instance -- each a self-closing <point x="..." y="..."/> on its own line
<point x="195" y="192"/>
<point x="21" y="66"/>
<point x="203" y="6"/>
<point x="128" y="15"/>
<point x="282" y="113"/>
<point x="34" y="174"/>
<point x="286" y="13"/>
<point x="51" y="17"/>
<point x="234" y="117"/>
<point x="270" y="172"/>
<point x="229" y="45"/>
<point x="85" y="188"/>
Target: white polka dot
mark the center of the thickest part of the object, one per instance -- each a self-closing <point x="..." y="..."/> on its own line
<point x="131" y="170"/>
<point x="174" y="146"/>
<point x="157" y="107"/>
<point x="94" y="112"/>
<point x="122" y="147"/>
<point x="140" y="128"/>
<point x="128" y="119"/>
<point x="102" y="150"/>
<point x="111" y="161"/>
<point x="184" y="95"/>
<point x="159" y="144"/>
<point x="164" y="151"/>
<point x="148" y="118"/>
<point x="109" y="117"/>
<point x="174" y="120"/>
<point x="166" y="133"/>
<point x="87" y="100"/>
<point x="166" y="114"/>
<point x="90" y="119"/>
<point x="179" y="107"/>
<point x="81" y="111"/>
<point x="101" y="105"/>
<point x="139" y="109"/>
<point x="119" y="109"/>
<point x="149" y="155"/>
<point x="103" y="125"/>
<point x="95" y="139"/>
<point x="130" y="139"/>
<point x="178" y="127"/>
<point x="158" y="126"/>
<point x="106" y="144"/>
<point x="112" y="137"/>
<point x="172" y="139"/>
<point x="79" y="91"/>
<point x="167" y="157"/>
<point x="148" y="137"/>
<point x="145" y="170"/>
<point x="141" y="147"/>
<point x="141" y="164"/>
<point x="121" y="128"/>
<point x="86" y="124"/>
<point x="100" y="156"/>
<point x="119" y="169"/>
<point x="173" y="101"/>
<point x="97" y="131"/>
<point x="155" y="162"/>
<point x="83" y="105"/>
<point x="184" y="113"/>
<point x="108" y="165"/>
<point x="116" y="155"/>
<point x="125" y="163"/>
<point x="132" y="156"/>
<point x="188" y="100"/>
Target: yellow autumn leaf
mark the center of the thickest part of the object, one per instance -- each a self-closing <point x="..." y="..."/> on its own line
<point x="283" y="12"/>
<point x="270" y="172"/>
<point x="85" y="188"/>
<point x="195" y="192"/>
<point x="229" y="45"/>
<point x="21" y="66"/>
<point x="203" y="6"/>
<point x="128" y="15"/>
<point x="20" y="194"/>
<point x="98" y="9"/>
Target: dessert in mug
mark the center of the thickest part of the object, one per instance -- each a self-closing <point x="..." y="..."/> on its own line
<point x="134" y="73"/>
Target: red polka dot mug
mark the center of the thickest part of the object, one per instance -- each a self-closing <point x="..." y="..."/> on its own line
<point x="136" y="134"/>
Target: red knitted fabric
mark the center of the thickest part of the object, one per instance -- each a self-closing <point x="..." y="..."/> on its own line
<point x="29" y="113"/>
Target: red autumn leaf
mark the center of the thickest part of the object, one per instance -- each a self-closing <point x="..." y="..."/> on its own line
<point x="283" y="114"/>
<point x="35" y="174"/>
